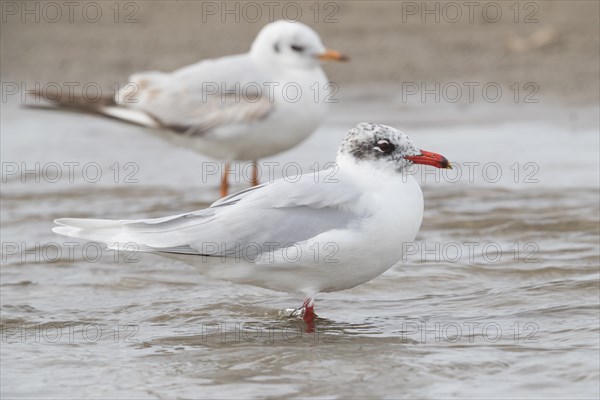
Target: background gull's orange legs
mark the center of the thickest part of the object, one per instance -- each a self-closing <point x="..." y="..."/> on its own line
<point x="224" y="182"/>
<point x="255" y="181"/>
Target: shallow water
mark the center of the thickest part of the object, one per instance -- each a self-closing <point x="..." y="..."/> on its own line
<point x="498" y="297"/>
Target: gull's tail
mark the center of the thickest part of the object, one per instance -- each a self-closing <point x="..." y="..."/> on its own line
<point x="105" y="106"/>
<point x="150" y="235"/>
<point x="105" y="231"/>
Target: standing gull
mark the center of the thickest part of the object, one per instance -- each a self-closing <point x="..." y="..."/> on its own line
<point x="240" y="107"/>
<point x="322" y="232"/>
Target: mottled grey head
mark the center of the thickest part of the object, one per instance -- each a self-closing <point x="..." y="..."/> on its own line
<point x="386" y="148"/>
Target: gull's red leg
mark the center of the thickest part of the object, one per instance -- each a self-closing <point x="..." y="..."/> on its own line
<point x="308" y="314"/>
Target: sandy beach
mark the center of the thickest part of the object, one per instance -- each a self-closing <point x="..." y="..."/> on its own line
<point x="552" y="43"/>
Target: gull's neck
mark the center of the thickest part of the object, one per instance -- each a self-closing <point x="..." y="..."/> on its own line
<point x="265" y="59"/>
<point x="368" y="175"/>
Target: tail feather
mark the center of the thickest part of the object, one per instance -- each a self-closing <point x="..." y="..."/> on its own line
<point x="136" y="117"/>
<point x="105" y="106"/>
<point x="98" y="230"/>
<point x="73" y="101"/>
<point x="87" y="223"/>
<point x="113" y="233"/>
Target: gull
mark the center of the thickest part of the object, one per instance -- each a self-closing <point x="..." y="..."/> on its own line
<point x="318" y="232"/>
<point x="239" y="107"/>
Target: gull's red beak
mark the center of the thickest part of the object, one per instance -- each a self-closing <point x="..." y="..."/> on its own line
<point x="429" y="158"/>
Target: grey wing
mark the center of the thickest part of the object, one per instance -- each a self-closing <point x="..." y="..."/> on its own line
<point x="200" y="98"/>
<point x="263" y="219"/>
<point x="191" y="115"/>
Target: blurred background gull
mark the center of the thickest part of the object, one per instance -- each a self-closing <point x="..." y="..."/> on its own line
<point x="509" y="91"/>
<point x="487" y="63"/>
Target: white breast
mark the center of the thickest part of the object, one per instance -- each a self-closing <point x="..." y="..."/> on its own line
<point x="392" y="219"/>
<point x="391" y="216"/>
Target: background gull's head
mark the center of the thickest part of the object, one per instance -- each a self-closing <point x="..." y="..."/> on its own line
<point x="291" y="44"/>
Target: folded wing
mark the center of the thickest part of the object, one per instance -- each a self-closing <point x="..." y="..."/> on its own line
<point x="262" y="219"/>
<point x="200" y="98"/>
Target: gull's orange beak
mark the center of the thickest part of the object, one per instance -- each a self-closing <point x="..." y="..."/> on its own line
<point x="429" y="158"/>
<point x="332" y="55"/>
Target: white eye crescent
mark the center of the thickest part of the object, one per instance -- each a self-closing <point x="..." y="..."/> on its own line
<point x="384" y="146"/>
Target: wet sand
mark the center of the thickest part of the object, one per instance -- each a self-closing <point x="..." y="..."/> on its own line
<point x="505" y="305"/>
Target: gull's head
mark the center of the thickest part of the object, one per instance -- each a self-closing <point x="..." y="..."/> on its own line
<point x="385" y="148"/>
<point x="291" y="44"/>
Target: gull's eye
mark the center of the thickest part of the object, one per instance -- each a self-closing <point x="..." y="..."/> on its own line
<point x="297" y="48"/>
<point x="384" y="146"/>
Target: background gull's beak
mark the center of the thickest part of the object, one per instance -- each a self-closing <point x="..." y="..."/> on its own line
<point x="429" y="158"/>
<point x="332" y="55"/>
